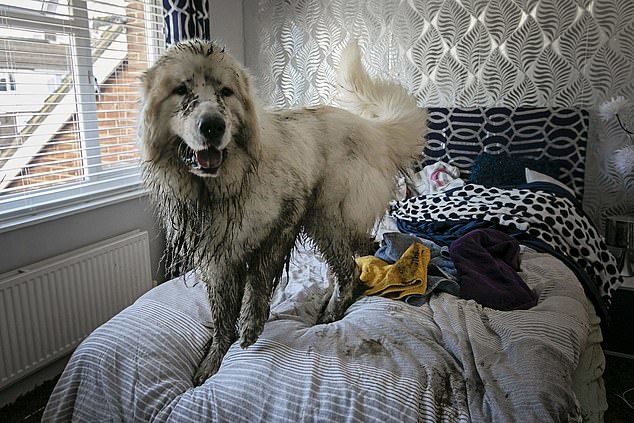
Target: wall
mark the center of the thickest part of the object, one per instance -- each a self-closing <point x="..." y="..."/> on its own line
<point x="26" y="245"/>
<point x="462" y="53"/>
<point x="227" y="25"/>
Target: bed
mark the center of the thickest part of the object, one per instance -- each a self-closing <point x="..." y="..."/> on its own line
<point x="450" y="359"/>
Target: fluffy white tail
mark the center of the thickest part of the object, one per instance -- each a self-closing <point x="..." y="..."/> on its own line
<point x="385" y="102"/>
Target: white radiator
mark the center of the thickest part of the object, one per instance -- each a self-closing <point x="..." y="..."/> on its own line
<point x="48" y="308"/>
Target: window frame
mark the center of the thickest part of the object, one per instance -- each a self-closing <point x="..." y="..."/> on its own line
<point x="20" y="209"/>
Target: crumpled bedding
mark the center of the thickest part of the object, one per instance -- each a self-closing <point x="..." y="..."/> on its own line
<point x="448" y="360"/>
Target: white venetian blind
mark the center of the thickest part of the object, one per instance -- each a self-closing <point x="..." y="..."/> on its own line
<point x="69" y="75"/>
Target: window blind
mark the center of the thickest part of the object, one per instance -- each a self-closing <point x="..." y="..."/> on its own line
<point x="69" y="75"/>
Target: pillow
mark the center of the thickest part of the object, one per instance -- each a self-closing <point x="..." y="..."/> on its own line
<point x="436" y="177"/>
<point x="533" y="176"/>
<point x="501" y="169"/>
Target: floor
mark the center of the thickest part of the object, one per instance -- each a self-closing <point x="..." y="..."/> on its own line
<point x="619" y="377"/>
<point x="30" y="407"/>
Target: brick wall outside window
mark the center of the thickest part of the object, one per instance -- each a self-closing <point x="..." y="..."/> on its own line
<point x="117" y="108"/>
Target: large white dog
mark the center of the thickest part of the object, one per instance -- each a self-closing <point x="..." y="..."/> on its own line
<point x="235" y="184"/>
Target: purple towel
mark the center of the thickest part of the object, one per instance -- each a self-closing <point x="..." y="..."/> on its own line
<point x="487" y="262"/>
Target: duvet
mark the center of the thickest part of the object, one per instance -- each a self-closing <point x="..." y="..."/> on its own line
<point x="448" y="360"/>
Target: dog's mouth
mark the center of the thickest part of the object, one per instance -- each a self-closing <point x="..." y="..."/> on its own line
<point x="206" y="162"/>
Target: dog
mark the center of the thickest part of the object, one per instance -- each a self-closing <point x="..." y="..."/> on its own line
<point x="236" y="184"/>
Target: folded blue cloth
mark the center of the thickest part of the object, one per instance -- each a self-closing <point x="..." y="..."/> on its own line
<point x="415" y="299"/>
<point x="394" y="245"/>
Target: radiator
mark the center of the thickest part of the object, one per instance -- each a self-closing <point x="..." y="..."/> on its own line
<point x="48" y="308"/>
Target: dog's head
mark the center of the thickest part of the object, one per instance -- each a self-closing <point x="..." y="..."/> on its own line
<point x="198" y="106"/>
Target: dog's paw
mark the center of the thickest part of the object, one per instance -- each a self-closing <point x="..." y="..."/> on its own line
<point x="207" y="368"/>
<point x="249" y="335"/>
<point x="326" y="318"/>
<point x="246" y="342"/>
<point x="335" y="308"/>
<point x="331" y="313"/>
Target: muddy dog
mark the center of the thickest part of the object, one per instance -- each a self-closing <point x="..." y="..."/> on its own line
<point x="235" y="184"/>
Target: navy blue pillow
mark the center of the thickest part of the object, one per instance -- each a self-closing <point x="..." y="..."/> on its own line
<point x="501" y="170"/>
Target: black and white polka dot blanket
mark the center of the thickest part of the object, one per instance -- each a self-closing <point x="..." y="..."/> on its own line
<point x="550" y="218"/>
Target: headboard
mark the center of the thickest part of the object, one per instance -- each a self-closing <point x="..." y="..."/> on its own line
<point x="457" y="136"/>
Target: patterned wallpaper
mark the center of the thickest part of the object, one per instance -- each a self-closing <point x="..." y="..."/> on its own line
<point x="466" y="53"/>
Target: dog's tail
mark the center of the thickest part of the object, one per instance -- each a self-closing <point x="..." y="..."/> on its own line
<point x="385" y="102"/>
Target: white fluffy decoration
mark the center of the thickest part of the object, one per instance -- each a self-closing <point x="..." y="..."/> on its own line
<point x="609" y="109"/>
<point x="624" y="160"/>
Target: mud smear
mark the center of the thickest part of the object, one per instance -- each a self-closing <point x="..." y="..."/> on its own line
<point x="366" y="347"/>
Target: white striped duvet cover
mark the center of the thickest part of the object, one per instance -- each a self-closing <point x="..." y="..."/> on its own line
<point x="449" y="360"/>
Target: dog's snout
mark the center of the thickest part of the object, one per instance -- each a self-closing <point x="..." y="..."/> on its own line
<point x="212" y="127"/>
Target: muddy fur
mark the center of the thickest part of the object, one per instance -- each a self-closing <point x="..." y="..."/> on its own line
<point x="235" y="195"/>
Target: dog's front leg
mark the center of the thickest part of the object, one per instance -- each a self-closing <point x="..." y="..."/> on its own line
<point x="265" y="270"/>
<point x="257" y="298"/>
<point x="225" y="296"/>
<point x="255" y="309"/>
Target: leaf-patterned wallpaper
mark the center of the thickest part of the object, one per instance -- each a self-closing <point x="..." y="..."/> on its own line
<point x="466" y="53"/>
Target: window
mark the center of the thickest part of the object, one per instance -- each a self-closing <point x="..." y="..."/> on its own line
<point x="7" y="82"/>
<point x="69" y="74"/>
<point x="54" y="82"/>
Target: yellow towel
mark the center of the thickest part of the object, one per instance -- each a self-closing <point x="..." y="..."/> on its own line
<point x="405" y="277"/>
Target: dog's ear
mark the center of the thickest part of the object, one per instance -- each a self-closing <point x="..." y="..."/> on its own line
<point x="249" y="132"/>
<point x="146" y="124"/>
<point x="147" y="80"/>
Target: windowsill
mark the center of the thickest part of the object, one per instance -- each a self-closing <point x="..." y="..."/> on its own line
<point x="89" y="202"/>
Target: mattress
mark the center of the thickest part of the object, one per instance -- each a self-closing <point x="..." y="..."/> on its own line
<point x="448" y="360"/>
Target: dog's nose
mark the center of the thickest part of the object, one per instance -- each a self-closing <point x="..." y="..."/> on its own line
<point x="212" y="127"/>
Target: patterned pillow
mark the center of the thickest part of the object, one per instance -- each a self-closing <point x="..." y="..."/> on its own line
<point x="502" y="170"/>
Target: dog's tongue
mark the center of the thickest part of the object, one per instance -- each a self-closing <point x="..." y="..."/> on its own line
<point x="209" y="159"/>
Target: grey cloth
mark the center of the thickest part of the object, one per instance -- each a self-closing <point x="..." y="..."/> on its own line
<point x="385" y="361"/>
<point x="442" y="284"/>
<point x="434" y="284"/>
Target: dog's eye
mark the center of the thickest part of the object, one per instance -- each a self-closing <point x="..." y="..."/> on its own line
<point x="180" y="90"/>
<point x="226" y="92"/>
